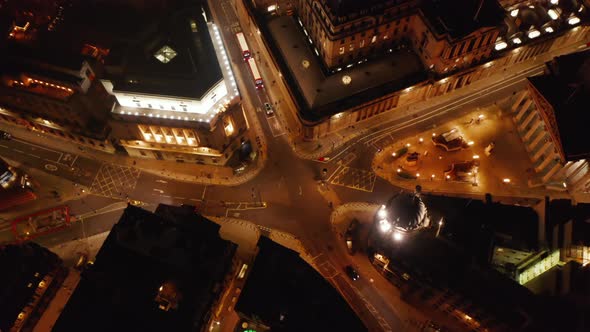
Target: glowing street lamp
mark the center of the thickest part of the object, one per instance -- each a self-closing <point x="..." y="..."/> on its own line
<point x="397" y="236"/>
<point x="506" y="180"/>
<point x="384" y="225"/>
<point x="382" y="213"/>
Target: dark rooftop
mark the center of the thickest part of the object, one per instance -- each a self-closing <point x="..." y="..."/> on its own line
<point x="473" y="224"/>
<point x="442" y="265"/>
<point x="347" y="7"/>
<point x="567" y="89"/>
<point x="561" y="211"/>
<point x="174" y="249"/>
<point x="287" y="294"/>
<point x="21" y="265"/>
<point x="460" y="18"/>
<point x="406" y="210"/>
<point x="321" y="94"/>
<point x="191" y="73"/>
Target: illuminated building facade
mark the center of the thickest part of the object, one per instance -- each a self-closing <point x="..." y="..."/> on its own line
<point x="446" y="34"/>
<point x="546" y="115"/>
<point x="453" y="44"/>
<point x="176" y="96"/>
<point x="55" y="92"/>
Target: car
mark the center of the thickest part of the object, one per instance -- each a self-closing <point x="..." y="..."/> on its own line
<point x="268" y="109"/>
<point x="5" y="135"/>
<point x="351" y="272"/>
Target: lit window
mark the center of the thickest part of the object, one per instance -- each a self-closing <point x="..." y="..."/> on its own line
<point x="351" y="47"/>
<point x="374" y="39"/>
<point x="341" y="50"/>
<point x="165" y="54"/>
<point x="362" y="44"/>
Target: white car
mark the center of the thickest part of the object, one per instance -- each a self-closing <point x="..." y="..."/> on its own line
<point x="268" y="109"/>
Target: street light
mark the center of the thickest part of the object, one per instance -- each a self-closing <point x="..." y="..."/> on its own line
<point x="506" y="180"/>
<point x="440" y="223"/>
<point x="382" y="213"/>
<point x="397" y="236"/>
<point x="384" y="225"/>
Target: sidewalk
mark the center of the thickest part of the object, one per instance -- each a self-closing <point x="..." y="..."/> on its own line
<point x="195" y="173"/>
<point x="330" y="143"/>
<point x="412" y="318"/>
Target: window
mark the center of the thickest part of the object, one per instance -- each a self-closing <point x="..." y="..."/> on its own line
<point x="362" y="43"/>
<point x="351" y="47"/>
<point x="165" y="54"/>
<point x="173" y="108"/>
<point x="138" y="104"/>
<point x="149" y="105"/>
<point x="341" y="50"/>
<point x="374" y="39"/>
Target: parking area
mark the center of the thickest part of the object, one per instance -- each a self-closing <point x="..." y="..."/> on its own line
<point x="464" y="165"/>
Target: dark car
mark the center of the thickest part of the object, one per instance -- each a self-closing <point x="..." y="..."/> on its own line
<point x="350" y="237"/>
<point x="351" y="272"/>
<point x="4" y="135"/>
<point x="268" y="109"/>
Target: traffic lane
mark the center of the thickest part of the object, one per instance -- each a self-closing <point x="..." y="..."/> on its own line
<point x="51" y="161"/>
<point x="81" y="229"/>
<point x="372" y="297"/>
<point x="152" y="188"/>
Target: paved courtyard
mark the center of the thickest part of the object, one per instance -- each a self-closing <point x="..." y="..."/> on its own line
<point x="505" y="171"/>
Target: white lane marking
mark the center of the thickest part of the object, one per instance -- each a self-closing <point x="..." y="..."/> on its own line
<point x="19" y="151"/>
<point x="161" y="181"/>
<point x="50" y="167"/>
<point x="32" y="155"/>
<point x="159" y="190"/>
<point x="39" y="147"/>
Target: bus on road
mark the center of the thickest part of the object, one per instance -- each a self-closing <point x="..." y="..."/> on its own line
<point x="243" y="46"/>
<point x="256" y="74"/>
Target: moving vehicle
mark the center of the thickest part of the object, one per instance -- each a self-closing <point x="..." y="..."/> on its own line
<point x="243" y="46"/>
<point x="256" y="74"/>
<point x="268" y="109"/>
<point x="351" y="272"/>
<point x="5" y="135"/>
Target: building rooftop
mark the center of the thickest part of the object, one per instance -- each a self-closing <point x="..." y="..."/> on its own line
<point x="155" y="272"/>
<point x="561" y="211"/>
<point x="321" y="94"/>
<point x="23" y="267"/>
<point x="287" y="294"/>
<point x="567" y="88"/>
<point x="341" y="8"/>
<point x="460" y="18"/>
<point x="190" y="67"/>
<point x="406" y="210"/>
<point x="443" y="266"/>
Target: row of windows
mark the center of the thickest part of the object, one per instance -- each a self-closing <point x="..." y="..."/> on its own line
<point x="364" y="42"/>
<point x="469" y="45"/>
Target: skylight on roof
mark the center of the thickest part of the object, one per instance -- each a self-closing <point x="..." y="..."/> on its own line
<point x="165" y="54"/>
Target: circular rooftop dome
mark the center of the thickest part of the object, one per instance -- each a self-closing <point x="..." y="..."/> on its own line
<point x="407" y="211"/>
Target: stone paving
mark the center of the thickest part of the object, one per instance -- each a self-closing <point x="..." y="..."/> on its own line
<point x="504" y="172"/>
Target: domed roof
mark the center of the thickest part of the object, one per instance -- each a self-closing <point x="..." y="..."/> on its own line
<point x="406" y="210"/>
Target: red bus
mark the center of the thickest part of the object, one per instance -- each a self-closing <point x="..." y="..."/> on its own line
<point x="40" y="223"/>
<point x="243" y="46"/>
<point x="256" y="74"/>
